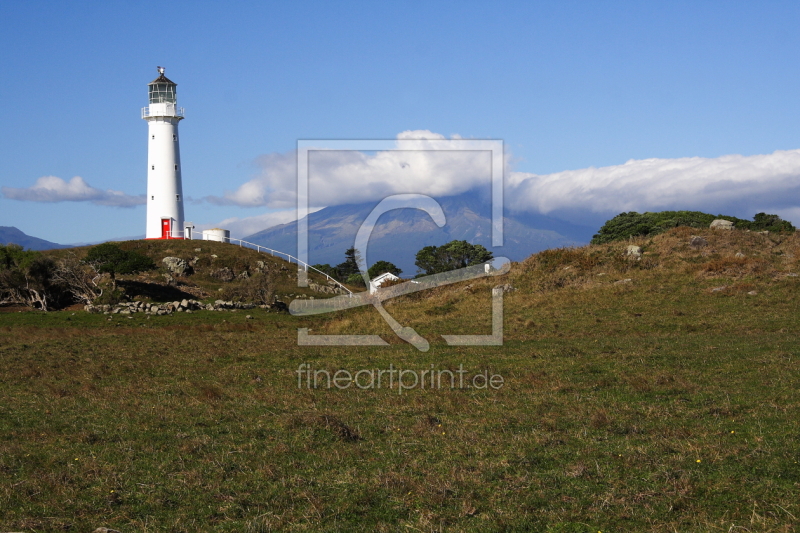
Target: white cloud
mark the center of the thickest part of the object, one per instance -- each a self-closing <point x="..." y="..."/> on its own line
<point x="54" y="189"/>
<point x="242" y="227"/>
<point x="345" y="176"/>
<point x="733" y="184"/>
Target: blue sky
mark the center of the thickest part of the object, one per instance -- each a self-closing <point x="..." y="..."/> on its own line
<point x="566" y="85"/>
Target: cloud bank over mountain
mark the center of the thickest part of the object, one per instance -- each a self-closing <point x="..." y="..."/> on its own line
<point x="735" y="184"/>
<point x="339" y="177"/>
<point x="55" y="189"/>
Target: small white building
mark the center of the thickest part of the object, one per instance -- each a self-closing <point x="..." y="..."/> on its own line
<point x="375" y="284"/>
<point x="217" y="234"/>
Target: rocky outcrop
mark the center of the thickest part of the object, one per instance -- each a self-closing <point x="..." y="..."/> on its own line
<point x="721" y="224"/>
<point x="329" y="288"/>
<point x="697" y="242"/>
<point x="224" y="274"/>
<point x="633" y="251"/>
<point x="176" y="265"/>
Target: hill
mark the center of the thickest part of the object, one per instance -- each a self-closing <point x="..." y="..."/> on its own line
<point x="12" y="235"/>
<point x="400" y="234"/>
<point x="213" y="270"/>
<point x="639" y="393"/>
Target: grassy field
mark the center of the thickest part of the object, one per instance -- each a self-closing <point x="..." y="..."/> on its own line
<point x="636" y="397"/>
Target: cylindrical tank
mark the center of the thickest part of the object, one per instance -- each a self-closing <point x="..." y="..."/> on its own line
<point x="217" y="234"/>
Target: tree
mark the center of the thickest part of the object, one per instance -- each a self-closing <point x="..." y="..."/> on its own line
<point x="26" y="277"/>
<point x="382" y="267"/>
<point x="352" y="258"/>
<point x="110" y="258"/>
<point x="77" y="279"/>
<point x="325" y="268"/>
<point x="451" y="256"/>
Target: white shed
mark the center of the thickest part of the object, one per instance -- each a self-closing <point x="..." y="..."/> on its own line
<point x="379" y="280"/>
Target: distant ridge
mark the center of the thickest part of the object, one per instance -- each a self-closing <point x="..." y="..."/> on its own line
<point x="12" y="235"/>
<point x="400" y="234"/>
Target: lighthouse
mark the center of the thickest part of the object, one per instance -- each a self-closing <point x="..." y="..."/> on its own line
<point x="164" y="190"/>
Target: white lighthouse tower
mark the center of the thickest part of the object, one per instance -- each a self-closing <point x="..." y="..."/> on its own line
<point x="164" y="190"/>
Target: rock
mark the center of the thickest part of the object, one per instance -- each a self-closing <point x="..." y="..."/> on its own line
<point x="280" y="306"/>
<point x="176" y="265"/>
<point x="633" y="251"/>
<point x="718" y="289"/>
<point x="721" y="224"/>
<point x="248" y="317"/>
<point x="626" y="280"/>
<point x="223" y="274"/>
<point x="198" y="249"/>
<point x="752" y="293"/>
<point x="184" y="304"/>
<point x="105" y="530"/>
<point x="739" y="255"/>
<point x="506" y="288"/>
<point x="697" y="242"/>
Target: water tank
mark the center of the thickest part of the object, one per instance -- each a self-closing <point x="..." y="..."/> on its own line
<point x="217" y="234"/>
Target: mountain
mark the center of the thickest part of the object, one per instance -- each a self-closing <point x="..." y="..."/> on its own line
<point x="399" y="234"/>
<point x="10" y="234"/>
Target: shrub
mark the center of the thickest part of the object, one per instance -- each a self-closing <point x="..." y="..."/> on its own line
<point x="633" y="224"/>
<point x="110" y="258"/>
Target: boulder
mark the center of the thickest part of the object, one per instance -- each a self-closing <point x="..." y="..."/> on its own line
<point x="633" y="251"/>
<point x="176" y="265"/>
<point x="697" y="242"/>
<point x="223" y="274"/>
<point x="721" y="224"/>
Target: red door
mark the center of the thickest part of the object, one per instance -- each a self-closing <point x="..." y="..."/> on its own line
<point x="165" y="228"/>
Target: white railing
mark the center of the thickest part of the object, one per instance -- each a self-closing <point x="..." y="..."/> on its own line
<point x="169" y="111"/>
<point x="289" y="258"/>
<point x="257" y="247"/>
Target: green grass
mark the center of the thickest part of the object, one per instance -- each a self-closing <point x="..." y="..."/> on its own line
<point x="651" y="405"/>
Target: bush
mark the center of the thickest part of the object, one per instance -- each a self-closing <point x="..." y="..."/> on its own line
<point x="451" y="256"/>
<point x="633" y="224"/>
<point x="110" y="258"/>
